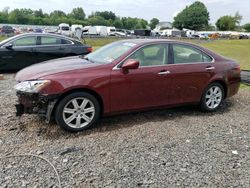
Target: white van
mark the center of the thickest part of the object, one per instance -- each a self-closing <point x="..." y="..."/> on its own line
<point x="111" y="31"/>
<point x="102" y="30"/>
<point x="64" y="29"/>
<point x="76" y="27"/>
<point x="89" y="30"/>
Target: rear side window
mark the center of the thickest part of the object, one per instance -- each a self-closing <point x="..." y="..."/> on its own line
<point x="207" y="58"/>
<point x="50" y="40"/>
<point x="66" y="41"/>
<point x="187" y="54"/>
<point x="25" y="41"/>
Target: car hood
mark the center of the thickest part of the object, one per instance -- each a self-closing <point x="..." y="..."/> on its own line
<point x="52" y="67"/>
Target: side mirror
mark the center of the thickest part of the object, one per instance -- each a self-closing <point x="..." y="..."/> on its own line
<point x="9" y="46"/>
<point x="130" y="64"/>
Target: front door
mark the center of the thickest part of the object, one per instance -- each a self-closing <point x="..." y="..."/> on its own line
<point x="145" y="87"/>
<point x="20" y="55"/>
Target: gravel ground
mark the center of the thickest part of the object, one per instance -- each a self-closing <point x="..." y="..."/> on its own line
<point x="179" y="147"/>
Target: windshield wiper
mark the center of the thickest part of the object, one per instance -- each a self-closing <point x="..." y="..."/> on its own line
<point x="86" y="58"/>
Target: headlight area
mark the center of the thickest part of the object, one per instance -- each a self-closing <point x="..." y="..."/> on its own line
<point x="32" y="86"/>
<point x="30" y="101"/>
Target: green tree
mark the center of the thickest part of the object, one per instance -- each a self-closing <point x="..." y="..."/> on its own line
<point x="38" y="13"/>
<point x="57" y="13"/>
<point x="247" y="27"/>
<point x="78" y="14"/>
<point x="4" y="15"/>
<point x="238" y="18"/>
<point x="154" y="22"/>
<point x="118" y="23"/>
<point x="107" y="15"/>
<point x="19" y="16"/>
<point x="97" y="20"/>
<point x="226" y="23"/>
<point x="210" y="27"/>
<point x="195" y="17"/>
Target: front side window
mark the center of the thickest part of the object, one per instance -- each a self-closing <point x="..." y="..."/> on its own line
<point x="152" y="55"/>
<point x="187" y="54"/>
<point x="25" y="41"/>
<point x="50" y="41"/>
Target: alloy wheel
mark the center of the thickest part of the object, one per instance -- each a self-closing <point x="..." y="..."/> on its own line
<point x="78" y="112"/>
<point x="214" y="97"/>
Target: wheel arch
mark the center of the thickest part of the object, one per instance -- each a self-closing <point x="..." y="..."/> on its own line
<point x="223" y="84"/>
<point x="92" y="92"/>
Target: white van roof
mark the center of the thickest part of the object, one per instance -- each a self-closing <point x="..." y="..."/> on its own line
<point x="64" y="25"/>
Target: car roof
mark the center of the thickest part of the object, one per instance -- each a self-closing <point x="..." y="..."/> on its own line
<point x="141" y="42"/>
<point x="45" y="34"/>
<point x="148" y="41"/>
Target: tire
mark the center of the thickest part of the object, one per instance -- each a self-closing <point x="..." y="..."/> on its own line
<point x="212" y="97"/>
<point x="77" y="112"/>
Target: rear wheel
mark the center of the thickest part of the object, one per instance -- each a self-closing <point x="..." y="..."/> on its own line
<point x="77" y="112"/>
<point x="212" y="97"/>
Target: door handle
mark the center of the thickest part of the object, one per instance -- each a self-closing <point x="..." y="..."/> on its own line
<point x="164" y="73"/>
<point x="210" y="68"/>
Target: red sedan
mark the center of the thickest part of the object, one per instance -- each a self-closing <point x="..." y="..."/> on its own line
<point x="125" y="76"/>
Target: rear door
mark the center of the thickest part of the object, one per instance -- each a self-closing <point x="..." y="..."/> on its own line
<point x="190" y="72"/>
<point x="50" y="48"/>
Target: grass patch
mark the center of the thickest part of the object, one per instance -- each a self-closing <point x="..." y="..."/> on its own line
<point x="245" y="87"/>
<point x="238" y="50"/>
<point x="99" y="42"/>
<point x="2" y="38"/>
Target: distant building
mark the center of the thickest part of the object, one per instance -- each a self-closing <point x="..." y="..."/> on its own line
<point x="163" y="25"/>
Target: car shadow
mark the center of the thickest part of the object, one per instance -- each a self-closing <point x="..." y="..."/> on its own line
<point x="119" y="122"/>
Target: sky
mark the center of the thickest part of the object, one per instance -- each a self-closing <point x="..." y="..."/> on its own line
<point x="164" y="10"/>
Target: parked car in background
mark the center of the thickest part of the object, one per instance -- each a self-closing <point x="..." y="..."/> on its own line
<point x="122" y="33"/>
<point x="64" y="29"/>
<point x="142" y="32"/>
<point x="111" y="31"/>
<point x="102" y="30"/>
<point x="126" y="76"/>
<point x="38" y="30"/>
<point x="26" y="49"/>
<point x="7" y="30"/>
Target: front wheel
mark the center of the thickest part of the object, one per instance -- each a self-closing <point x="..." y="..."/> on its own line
<point x="212" y="97"/>
<point x="77" y="112"/>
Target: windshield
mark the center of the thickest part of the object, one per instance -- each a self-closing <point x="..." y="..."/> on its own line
<point x="109" y="53"/>
<point x="65" y="28"/>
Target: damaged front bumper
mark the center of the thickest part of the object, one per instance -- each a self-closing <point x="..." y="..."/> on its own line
<point x="35" y="103"/>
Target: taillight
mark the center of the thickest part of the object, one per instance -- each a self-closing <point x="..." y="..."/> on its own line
<point x="237" y="68"/>
<point x="89" y="49"/>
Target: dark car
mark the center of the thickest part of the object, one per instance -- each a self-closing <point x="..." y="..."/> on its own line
<point x="126" y="76"/>
<point x="7" y="30"/>
<point x="38" y="30"/>
<point x="26" y="49"/>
